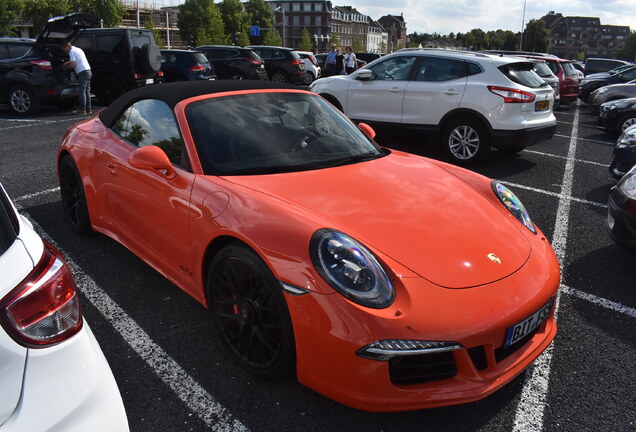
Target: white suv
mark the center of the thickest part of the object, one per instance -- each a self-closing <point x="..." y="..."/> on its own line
<point x="473" y="100"/>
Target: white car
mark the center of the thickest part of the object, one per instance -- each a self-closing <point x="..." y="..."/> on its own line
<point x="53" y="374"/>
<point x="311" y="66"/>
<point x="474" y="101"/>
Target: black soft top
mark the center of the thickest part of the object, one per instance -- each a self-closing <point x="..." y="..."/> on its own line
<point x="173" y="93"/>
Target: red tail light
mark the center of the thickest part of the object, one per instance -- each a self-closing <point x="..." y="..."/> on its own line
<point x="159" y="73"/>
<point x="197" y="68"/>
<point x="312" y="59"/>
<point x="42" y="64"/>
<point x="44" y="309"/>
<point x="296" y="62"/>
<point x="512" y="95"/>
<point x="137" y="76"/>
<point x="254" y="61"/>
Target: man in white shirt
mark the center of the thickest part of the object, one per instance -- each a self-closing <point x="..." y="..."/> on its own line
<point x="77" y="61"/>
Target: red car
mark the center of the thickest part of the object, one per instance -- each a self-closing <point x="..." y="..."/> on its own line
<point x="383" y="280"/>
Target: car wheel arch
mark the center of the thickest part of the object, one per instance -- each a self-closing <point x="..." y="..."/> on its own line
<point x="464" y="113"/>
<point x="333" y="100"/>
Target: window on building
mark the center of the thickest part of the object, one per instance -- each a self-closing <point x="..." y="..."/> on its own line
<point x="296" y="20"/>
<point x="295" y="7"/>
<point x="307" y="20"/>
<point x="307" y="7"/>
<point x="318" y="7"/>
<point x="318" y="21"/>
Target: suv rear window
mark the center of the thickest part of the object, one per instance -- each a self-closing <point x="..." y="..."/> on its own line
<point x="568" y="69"/>
<point x="543" y="70"/>
<point x="522" y="73"/>
<point x="140" y="40"/>
<point x="18" y="50"/>
<point x="110" y="44"/>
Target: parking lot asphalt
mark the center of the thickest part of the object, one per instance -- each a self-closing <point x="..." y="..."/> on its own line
<point x="174" y="375"/>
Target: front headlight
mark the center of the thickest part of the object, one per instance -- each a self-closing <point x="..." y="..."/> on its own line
<point x="627" y="185"/>
<point x="627" y="139"/>
<point x="611" y="105"/>
<point x="600" y="91"/>
<point x="351" y="269"/>
<point x="513" y="204"/>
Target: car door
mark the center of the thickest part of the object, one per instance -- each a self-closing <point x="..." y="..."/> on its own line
<point x="151" y="210"/>
<point x="381" y="98"/>
<point x="437" y="88"/>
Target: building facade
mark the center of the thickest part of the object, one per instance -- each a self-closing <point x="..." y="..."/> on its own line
<point x="292" y="17"/>
<point x="396" y="29"/>
<point x="578" y="38"/>
<point x="377" y="37"/>
<point x="350" y="26"/>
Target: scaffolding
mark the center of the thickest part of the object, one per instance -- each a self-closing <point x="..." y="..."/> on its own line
<point x="163" y="15"/>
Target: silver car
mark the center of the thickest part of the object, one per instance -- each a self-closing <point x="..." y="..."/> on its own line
<point x="611" y="92"/>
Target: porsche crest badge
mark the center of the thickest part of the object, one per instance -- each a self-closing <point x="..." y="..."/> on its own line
<point x="494" y="258"/>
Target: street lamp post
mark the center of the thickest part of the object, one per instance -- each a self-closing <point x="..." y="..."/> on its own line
<point x="280" y="8"/>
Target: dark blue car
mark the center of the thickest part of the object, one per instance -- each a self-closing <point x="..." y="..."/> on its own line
<point x="185" y="65"/>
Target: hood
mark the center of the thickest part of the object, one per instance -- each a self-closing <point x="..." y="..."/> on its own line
<point x="418" y="214"/>
<point x="65" y="28"/>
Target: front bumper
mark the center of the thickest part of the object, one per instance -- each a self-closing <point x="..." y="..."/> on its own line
<point x="621" y="220"/>
<point x="69" y="388"/>
<point x="522" y="137"/>
<point x="329" y="331"/>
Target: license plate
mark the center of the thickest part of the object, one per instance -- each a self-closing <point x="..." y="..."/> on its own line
<point x="150" y="81"/>
<point x="542" y="106"/>
<point x="525" y="327"/>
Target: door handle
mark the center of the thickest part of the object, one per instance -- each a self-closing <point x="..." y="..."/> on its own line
<point x="451" y="92"/>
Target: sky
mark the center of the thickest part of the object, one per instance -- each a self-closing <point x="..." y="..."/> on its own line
<point x="446" y="16"/>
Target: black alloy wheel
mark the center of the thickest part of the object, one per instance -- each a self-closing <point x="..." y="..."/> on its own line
<point x="22" y="100"/>
<point x="280" y="76"/>
<point x="250" y="312"/>
<point x="73" y="197"/>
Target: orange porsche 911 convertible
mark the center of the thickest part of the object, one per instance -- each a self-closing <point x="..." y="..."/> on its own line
<point x="383" y="280"/>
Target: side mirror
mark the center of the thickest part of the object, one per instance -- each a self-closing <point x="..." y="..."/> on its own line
<point x="152" y="158"/>
<point x="364" y="74"/>
<point x="368" y="130"/>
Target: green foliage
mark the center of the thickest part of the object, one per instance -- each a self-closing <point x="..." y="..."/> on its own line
<point x="628" y="50"/>
<point x="110" y="11"/>
<point x="357" y="45"/>
<point x="259" y="13"/>
<point x="201" y="20"/>
<point x="9" y="9"/>
<point x="235" y="19"/>
<point x="272" y="38"/>
<point x="243" y="39"/>
<point x="382" y="47"/>
<point x="305" y="42"/>
<point x="39" y="11"/>
<point x="536" y="36"/>
<point x="156" y="33"/>
<point x="335" y="40"/>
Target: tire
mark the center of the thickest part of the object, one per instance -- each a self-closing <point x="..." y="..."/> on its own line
<point x="22" y="101"/>
<point x="149" y="58"/>
<point x="279" y="76"/>
<point x="108" y="88"/>
<point x="309" y="78"/>
<point x="250" y="312"/>
<point x="626" y="121"/>
<point x="465" y="141"/>
<point x="73" y="197"/>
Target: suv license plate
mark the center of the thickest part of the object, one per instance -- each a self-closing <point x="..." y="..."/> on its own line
<point x="542" y="106"/>
<point x="150" y="81"/>
<point x="522" y="329"/>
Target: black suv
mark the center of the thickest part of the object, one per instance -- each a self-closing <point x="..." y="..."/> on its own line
<point x="282" y="64"/>
<point x="30" y="69"/>
<point x="185" y="65"/>
<point x="121" y="59"/>
<point x="231" y="62"/>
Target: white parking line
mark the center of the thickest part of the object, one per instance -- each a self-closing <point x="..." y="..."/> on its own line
<point x="191" y="393"/>
<point x="608" y="304"/>
<point x="531" y="408"/>
<point x="611" y="143"/>
<point x="563" y="157"/>
<point x="37" y="122"/>
<point x="554" y="194"/>
<point x="36" y="194"/>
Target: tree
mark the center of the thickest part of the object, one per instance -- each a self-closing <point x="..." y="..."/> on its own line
<point x="357" y="45"/>
<point x="9" y="10"/>
<point x="382" y="47"/>
<point x="110" y="11"/>
<point x="260" y="14"/>
<point x="335" y="40"/>
<point x="235" y="20"/>
<point x="272" y="37"/>
<point x="305" y="42"/>
<point x="200" y="23"/>
<point x="39" y="11"/>
<point x="536" y="36"/>
<point x="628" y="50"/>
<point x="156" y="33"/>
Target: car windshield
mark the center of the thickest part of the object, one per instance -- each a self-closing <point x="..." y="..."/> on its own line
<point x="199" y="58"/>
<point x="569" y="70"/>
<point x="274" y="132"/>
<point x="619" y="69"/>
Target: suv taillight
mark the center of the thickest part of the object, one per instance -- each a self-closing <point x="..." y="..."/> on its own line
<point x="296" y="62"/>
<point x="42" y="64"/>
<point x="312" y="59"/>
<point x="254" y="61"/>
<point x="44" y="309"/>
<point x="511" y="95"/>
<point x="197" y="68"/>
